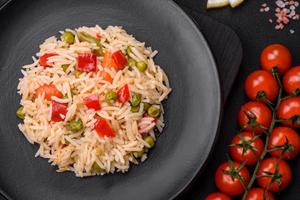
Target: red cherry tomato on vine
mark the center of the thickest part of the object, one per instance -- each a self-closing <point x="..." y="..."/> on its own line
<point x="282" y="136"/>
<point x="274" y="174"/>
<point x="246" y="147"/>
<point x="254" y="114"/>
<point x="217" y="196"/>
<point x="276" y="55"/>
<point x="289" y="109"/>
<point x="230" y="179"/>
<point x="258" y="194"/>
<point x="291" y="80"/>
<point x="261" y="84"/>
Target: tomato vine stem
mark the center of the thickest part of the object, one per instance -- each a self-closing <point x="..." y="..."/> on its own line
<point x="272" y="125"/>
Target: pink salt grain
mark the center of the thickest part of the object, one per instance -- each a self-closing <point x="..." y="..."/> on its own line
<point x="285" y="12"/>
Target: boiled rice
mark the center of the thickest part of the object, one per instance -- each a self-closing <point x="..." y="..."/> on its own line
<point x="78" y="152"/>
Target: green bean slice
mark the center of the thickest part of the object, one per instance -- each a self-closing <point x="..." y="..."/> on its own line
<point x="68" y="37"/>
<point x="20" y="114"/>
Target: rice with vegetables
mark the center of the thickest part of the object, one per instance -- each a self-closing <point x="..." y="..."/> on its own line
<point x="91" y="100"/>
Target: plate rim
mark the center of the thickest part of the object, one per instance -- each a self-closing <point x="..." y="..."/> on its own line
<point x="219" y="100"/>
<point x="199" y="169"/>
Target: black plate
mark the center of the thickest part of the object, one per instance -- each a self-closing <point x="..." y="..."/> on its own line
<point x="192" y="111"/>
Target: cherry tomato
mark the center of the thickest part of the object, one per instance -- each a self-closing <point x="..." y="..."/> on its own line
<point x="103" y="128"/>
<point x="58" y="109"/>
<point x="87" y="62"/>
<point x="49" y="90"/>
<point x="227" y="180"/>
<point x="43" y="61"/>
<point x="258" y="194"/>
<point x="217" y="196"/>
<point x="281" y="177"/>
<point x="246" y="147"/>
<point x="92" y="102"/>
<point x="259" y="113"/>
<point x="276" y="55"/>
<point x="282" y="136"/>
<point x="289" y="109"/>
<point x="261" y="83"/>
<point x="291" y="80"/>
<point x="123" y="94"/>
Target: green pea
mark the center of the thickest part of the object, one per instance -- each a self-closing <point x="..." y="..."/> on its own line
<point x="131" y="62"/>
<point x="84" y="37"/>
<point x="139" y="154"/>
<point x="146" y="106"/>
<point x="135" y="109"/>
<point x="141" y="66"/>
<point x="65" y="67"/>
<point x="77" y="74"/>
<point x="96" y="168"/>
<point x="150" y="140"/>
<point x="76" y="125"/>
<point x="136" y="99"/>
<point x="153" y="111"/>
<point x="20" y="112"/>
<point x="68" y="37"/>
<point x="128" y="50"/>
<point x="111" y="96"/>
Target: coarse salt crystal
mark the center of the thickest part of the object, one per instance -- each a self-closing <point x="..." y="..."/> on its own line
<point x="280" y="4"/>
<point x="285" y="13"/>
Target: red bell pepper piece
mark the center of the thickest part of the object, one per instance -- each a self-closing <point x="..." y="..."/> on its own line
<point x="87" y="62"/>
<point x="58" y="109"/>
<point x="116" y="60"/>
<point x="92" y="102"/>
<point x="49" y="90"/>
<point x="119" y="59"/>
<point x="123" y="94"/>
<point x="43" y="61"/>
<point x="103" y="128"/>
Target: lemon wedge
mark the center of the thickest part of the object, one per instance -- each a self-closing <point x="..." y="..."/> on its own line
<point x="217" y="3"/>
<point x="235" y="3"/>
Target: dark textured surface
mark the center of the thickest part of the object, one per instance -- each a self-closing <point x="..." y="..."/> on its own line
<point x="225" y="45"/>
<point x="255" y="33"/>
<point x="195" y="101"/>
